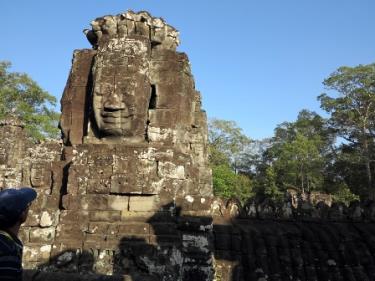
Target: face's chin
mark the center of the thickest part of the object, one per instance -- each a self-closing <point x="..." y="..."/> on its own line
<point x="116" y="122"/>
<point x="112" y="131"/>
<point x="114" y="126"/>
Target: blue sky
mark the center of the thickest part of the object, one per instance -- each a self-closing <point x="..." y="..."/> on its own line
<point x="255" y="62"/>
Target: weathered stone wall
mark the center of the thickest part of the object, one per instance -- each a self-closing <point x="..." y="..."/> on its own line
<point x="128" y="192"/>
<point x="13" y="144"/>
<point x="268" y="241"/>
<point x="39" y="166"/>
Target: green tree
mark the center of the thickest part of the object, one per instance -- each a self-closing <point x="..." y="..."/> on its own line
<point x="21" y="97"/>
<point x="309" y="124"/>
<point x="296" y="156"/>
<point x="227" y="147"/>
<point x="227" y="184"/>
<point x="267" y="185"/>
<point x="353" y="113"/>
<point x="227" y="142"/>
<point x="300" y="164"/>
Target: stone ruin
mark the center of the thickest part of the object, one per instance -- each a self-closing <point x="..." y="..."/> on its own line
<point x="127" y="193"/>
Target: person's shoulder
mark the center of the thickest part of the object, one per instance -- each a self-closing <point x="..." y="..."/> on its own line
<point x="7" y="245"/>
<point x="10" y="259"/>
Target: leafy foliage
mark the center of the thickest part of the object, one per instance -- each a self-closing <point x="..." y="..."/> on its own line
<point x="227" y="138"/>
<point x="227" y="184"/>
<point x="296" y="156"/>
<point x="300" y="164"/>
<point x="353" y="119"/>
<point x="21" y="97"/>
<point x="227" y="147"/>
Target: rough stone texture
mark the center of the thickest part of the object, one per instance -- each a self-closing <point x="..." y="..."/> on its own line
<point x="117" y="195"/>
<point x="268" y="241"/>
<point x="128" y="191"/>
<point x="75" y="99"/>
<point x="13" y="144"/>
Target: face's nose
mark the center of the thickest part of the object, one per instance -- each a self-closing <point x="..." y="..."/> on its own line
<point x="114" y="102"/>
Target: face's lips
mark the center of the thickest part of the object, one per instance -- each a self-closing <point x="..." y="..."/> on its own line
<point x="114" y="117"/>
<point x="114" y="114"/>
<point x="110" y="120"/>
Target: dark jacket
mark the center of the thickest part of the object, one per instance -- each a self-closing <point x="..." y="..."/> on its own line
<point x="10" y="257"/>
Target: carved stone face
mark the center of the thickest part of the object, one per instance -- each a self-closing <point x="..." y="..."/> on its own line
<point x="113" y="107"/>
<point x="38" y="175"/>
<point x="121" y="98"/>
<point x="121" y="89"/>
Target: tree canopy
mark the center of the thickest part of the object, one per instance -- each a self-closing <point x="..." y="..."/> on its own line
<point x="227" y="149"/>
<point x="23" y="98"/>
<point x="353" y="117"/>
<point x="334" y="155"/>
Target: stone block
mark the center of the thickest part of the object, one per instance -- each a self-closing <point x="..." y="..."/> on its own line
<point x="111" y="245"/>
<point x="24" y="235"/>
<point x="165" y="136"/>
<point x="163" y="240"/>
<point x="42" y="235"/>
<point x="51" y="201"/>
<point x="171" y="170"/>
<point x="195" y="243"/>
<point x="168" y="118"/>
<point x="49" y="218"/>
<point x="102" y="228"/>
<point x="71" y="232"/>
<point x="94" y="241"/>
<point x="98" y="186"/>
<point x="149" y="217"/>
<point x="142" y="29"/>
<point x="124" y="184"/>
<point x="133" y="228"/>
<point x="118" y="203"/>
<point x="101" y="170"/>
<point x="33" y="218"/>
<point x="65" y="246"/>
<point x="73" y="216"/>
<point x="100" y="162"/>
<point x="71" y="202"/>
<point x="36" y="253"/>
<point x="78" y="179"/>
<point x="105" y="216"/>
<point x="164" y="229"/>
<point x="124" y="161"/>
<point x="146" y="174"/>
<point x="74" y="98"/>
<point x="57" y="169"/>
<point x="195" y="224"/>
<point x="94" y="202"/>
<point x="172" y="94"/>
<point x="194" y="203"/>
<point x="143" y="203"/>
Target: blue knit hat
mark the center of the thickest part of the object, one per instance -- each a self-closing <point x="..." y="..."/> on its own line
<point x="13" y="201"/>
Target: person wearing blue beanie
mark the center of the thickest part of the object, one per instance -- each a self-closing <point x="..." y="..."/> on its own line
<point x="14" y="208"/>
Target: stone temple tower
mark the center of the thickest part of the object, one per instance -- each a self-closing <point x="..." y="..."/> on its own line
<point x="129" y="190"/>
<point x="134" y="92"/>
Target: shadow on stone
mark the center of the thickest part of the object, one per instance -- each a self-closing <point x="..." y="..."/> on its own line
<point x="167" y="246"/>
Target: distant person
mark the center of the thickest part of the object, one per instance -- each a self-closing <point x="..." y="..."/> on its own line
<point x="14" y="208"/>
